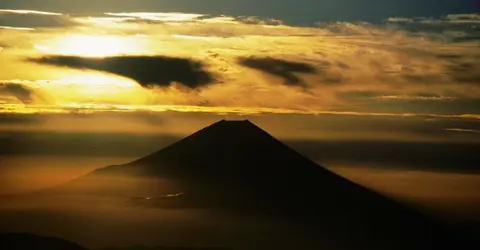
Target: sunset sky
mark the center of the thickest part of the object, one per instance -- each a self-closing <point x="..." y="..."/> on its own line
<point x="395" y="70"/>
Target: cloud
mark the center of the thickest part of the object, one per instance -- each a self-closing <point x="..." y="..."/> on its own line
<point x="16" y="28"/>
<point x="453" y="27"/>
<point x="22" y="93"/>
<point x="464" y="18"/>
<point x="16" y="119"/>
<point x="351" y="29"/>
<point x="30" y="19"/>
<point x="148" y="71"/>
<point x="400" y="20"/>
<point x="259" y="20"/>
<point x="28" y="12"/>
<point x="326" y="127"/>
<point x="157" y="16"/>
<point x="417" y="97"/>
<point x="467" y="18"/>
<point x="287" y="70"/>
<point x="464" y="130"/>
<point x="219" y="110"/>
<point x="465" y="72"/>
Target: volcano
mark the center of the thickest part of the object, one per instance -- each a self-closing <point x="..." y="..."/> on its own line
<point x="236" y="166"/>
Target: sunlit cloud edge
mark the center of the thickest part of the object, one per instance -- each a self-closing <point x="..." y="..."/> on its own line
<point x="93" y="108"/>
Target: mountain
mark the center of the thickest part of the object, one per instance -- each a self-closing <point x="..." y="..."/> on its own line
<point x="33" y="242"/>
<point x="24" y="241"/>
<point x="236" y="166"/>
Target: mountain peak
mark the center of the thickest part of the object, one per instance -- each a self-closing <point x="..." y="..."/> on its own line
<point x="234" y="124"/>
<point x="225" y="135"/>
<point x="234" y="121"/>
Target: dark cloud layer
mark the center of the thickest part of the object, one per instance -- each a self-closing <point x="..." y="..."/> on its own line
<point x="385" y="154"/>
<point x="22" y="93"/>
<point x="16" y="119"/>
<point x="466" y="72"/>
<point x="149" y="71"/>
<point x="279" y="67"/>
<point x="455" y="157"/>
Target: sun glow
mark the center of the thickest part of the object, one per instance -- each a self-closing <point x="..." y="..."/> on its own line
<point x="95" y="79"/>
<point x="95" y="87"/>
<point x="87" y="87"/>
<point x="93" y="46"/>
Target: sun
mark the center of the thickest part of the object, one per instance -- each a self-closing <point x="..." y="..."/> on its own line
<point x="91" y="45"/>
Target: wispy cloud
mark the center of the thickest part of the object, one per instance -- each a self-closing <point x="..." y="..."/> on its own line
<point x="16" y="28"/>
<point x="29" y="19"/>
<point x="453" y="27"/>
<point x="400" y="20"/>
<point x="281" y="68"/>
<point x="29" y="12"/>
<point x="464" y="18"/>
<point x="417" y="98"/>
<point x="68" y="108"/>
<point x="155" y="16"/>
<point x="472" y="18"/>
<point x="463" y="130"/>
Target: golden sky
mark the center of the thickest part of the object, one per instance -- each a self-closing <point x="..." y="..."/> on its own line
<point x="406" y="78"/>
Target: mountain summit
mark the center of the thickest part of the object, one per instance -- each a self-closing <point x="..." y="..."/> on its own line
<point x="237" y="166"/>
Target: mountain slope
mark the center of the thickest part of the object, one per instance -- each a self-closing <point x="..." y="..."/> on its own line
<point x="237" y="166"/>
<point x="34" y="242"/>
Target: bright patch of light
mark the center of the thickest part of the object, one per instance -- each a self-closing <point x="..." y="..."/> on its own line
<point x="166" y="17"/>
<point x="192" y="37"/>
<point x="107" y="22"/>
<point x="221" y="19"/>
<point x="95" y="87"/>
<point x="94" y="79"/>
<point x="92" y="46"/>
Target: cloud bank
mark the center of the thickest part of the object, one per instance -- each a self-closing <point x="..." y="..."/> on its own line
<point x="281" y="68"/>
<point x="138" y="62"/>
<point x="149" y="71"/>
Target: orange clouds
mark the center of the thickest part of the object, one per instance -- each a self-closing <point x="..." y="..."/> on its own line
<point x="360" y="68"/>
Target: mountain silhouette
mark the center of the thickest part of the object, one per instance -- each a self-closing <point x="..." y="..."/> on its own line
<point x="24" y="241"/>
<point x="237" y="166"/>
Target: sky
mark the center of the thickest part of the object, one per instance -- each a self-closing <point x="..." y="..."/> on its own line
<point x="411" y="68"/>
